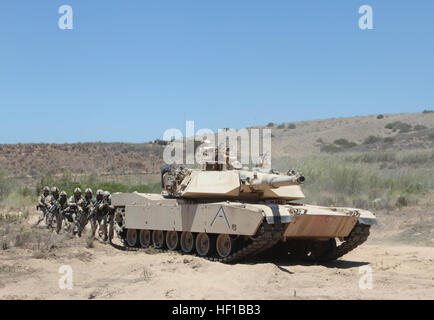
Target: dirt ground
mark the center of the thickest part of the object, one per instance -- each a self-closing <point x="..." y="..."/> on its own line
<point x="399" y="271"/>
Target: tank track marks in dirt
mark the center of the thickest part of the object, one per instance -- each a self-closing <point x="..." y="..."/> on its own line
<point x="267" y="236"/>
<point x="322" y="251"/>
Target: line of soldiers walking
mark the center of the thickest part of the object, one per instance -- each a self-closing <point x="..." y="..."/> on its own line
<point x="77" y="211"/>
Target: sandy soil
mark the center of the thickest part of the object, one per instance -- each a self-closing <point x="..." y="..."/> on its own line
<point x="399" y="271"/>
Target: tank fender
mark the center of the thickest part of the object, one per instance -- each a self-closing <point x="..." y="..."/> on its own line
<point x="367" y="217"/>
<point x="275" y="214"/>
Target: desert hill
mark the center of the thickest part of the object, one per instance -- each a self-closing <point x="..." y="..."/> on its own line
<point x="294" y="140"/>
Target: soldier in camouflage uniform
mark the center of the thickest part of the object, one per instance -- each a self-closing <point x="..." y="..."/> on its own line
<point x="63" y="205"/>
<point x="42" y="206"/>
<point x="98" y="216"/>
<point x="75" y="207"/>
<point x="51" y="203"/>
<point x="110" y="214"/>
<point x="87" y="206"/>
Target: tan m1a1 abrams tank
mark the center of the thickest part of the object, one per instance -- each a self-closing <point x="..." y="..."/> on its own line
<point x="227" y="214"/>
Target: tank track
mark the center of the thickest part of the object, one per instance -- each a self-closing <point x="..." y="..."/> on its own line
<point x="358" y="235"/>
<point x="319" y="251"/>
<point x="268" y="236"/>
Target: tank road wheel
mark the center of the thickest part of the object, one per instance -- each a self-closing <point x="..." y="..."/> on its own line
<point x="204" y="244"/>
<point x="172" y="240"/>
<point x="145" y="238"/>
<point x="224" y="245"/>
<point x="158" y="239"/>
<point x="187" y="242"/>
<point x="132" y="237"/>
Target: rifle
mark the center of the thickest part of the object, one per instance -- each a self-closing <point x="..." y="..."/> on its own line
<point x="54" y="207"/>
<point x="40" y="206"/>
<point x="96" y="207"/>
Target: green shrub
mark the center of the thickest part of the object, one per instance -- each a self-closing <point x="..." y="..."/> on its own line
<point x="144" y="188"/>
<point x="419" y="127"/>
<point x="281" y="126"/>
<point x="371" y="157"/>
<point x="356" y="180"/>
<point x="16" y="200"/>
<point x="371" y="140"/>
<point x="292" y="126"/>
<point x="330" y="148"/>
<point x="380" y="116"/>
<point x="68" y="184"/>
<point x="270" y="124"/>
<point x="415" y="158"/>
<point x="398" y="125"/>
<point x="344" y="143"/>
<point x="388" y="140"/>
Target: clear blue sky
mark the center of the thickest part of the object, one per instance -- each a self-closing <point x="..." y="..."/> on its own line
<point x="129" y="70"/>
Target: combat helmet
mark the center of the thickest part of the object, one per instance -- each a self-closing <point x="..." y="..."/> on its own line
<point x="99" y="193"/>
<point x="77" y="190"/>
<point x="54" y="190"/>
<point x="63" y="194"/>
<point x="106" y="194"/>
<point x="88" y="190"/>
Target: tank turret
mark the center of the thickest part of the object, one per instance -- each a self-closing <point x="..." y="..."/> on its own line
<point x="222" y="181"/>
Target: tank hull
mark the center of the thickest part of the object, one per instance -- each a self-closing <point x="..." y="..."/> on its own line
<point x="267" y="222"/>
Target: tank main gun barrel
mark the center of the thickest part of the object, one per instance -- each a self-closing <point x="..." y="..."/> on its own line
<point x="275" y="181"/>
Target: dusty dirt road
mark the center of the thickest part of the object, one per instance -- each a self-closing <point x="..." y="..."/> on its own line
<point x="399" y="271"/>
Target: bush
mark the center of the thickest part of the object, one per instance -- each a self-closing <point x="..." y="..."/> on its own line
<point x="330" y="148"/>
<point x="371" y="157"/>
<point x="144" y="188"/>
<point x="371" y="140"/>
<point x="18" y="200"/>
<point x="428" y="111"/>
<point x="356" y="180"/>
<point x="344" y="143"/>
<point x="419" y="127"/>
<point x="388" y="140"/>
<point x="380" y="116"/>
<point x="401" y="202"/>
<point x="68" y="184"/>
<point x="292" y="126"/>
<point x="270" y="124"/>
<point x="281" y="126"/>
<point x="398" y="125"/>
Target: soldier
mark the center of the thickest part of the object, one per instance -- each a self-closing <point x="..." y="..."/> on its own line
<point x="75" y="207"/>
<point x="98" y="216"/>
<point x="51" y="204"/>
<point x="60" y="212"/>
<point x="42" y="206"/>
<point x="110" y="214"/>
<point x="81" y="220"/>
